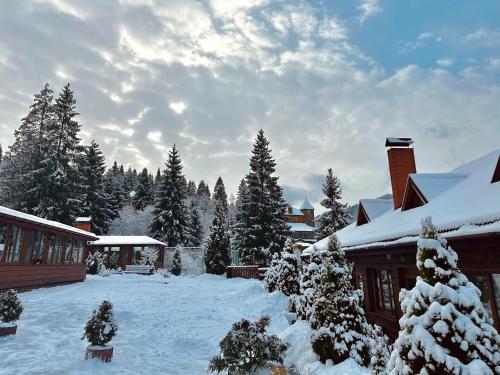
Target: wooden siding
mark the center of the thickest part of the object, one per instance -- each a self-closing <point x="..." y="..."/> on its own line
<point x="21" y="276"/>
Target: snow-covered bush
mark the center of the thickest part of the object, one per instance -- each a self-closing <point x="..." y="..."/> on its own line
<point x="10" y="306"/>
<point x="445" y="328"/>
<point x="380" y="350"/>
<point x="163" y="272"/>
<point x="309" y="281"/>
<point x="149" y="256"/>
<point x="95" y="263"/>
<point x="247" y="348"/>
<point x="289" y="273"/>
<point x="101" y="327"/>
<point x="338" y="321"/>
<point x="114" y="259"/>
<point x="176" y="262"/>
<point x="272" y="272"/>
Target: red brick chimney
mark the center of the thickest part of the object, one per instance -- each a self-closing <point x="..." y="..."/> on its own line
<point x="401" y="164"/>
<point x="83" y="223"/>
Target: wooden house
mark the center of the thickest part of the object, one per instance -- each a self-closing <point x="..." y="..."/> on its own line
<point x="36" y="252"/>
<point x="301" y="222"/>
<point x="465" y="207"/>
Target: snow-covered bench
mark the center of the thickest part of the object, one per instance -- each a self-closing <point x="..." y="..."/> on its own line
<point x="142" y="270"/>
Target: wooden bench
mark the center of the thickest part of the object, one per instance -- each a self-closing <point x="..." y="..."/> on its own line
<point x="141" y="270"/>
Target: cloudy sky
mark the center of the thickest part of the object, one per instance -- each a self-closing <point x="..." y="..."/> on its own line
<point x="326" y="80"/>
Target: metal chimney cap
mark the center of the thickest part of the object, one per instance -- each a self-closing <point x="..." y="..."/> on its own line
<point x="398" y="142"/>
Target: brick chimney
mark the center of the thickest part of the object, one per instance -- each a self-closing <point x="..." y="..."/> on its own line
<point x="401" y="164"/>
<point x="83" y="223"/>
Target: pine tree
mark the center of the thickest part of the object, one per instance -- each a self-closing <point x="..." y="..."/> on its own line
<point x="272" y="273"/>
<point x="10" y="306"/>
<point x="170" y="217"/>
<point x="309" y="281"/>
<point x="96" y="199"/>
<point x="289" y="273"/>
<point x="114" y="187"/>
<point x="195" y="228"/>
<point x="261" y="222"/>
<point x="177" y="262"/>
<point x="337" y="318"/>
<point x="144" y="195"/>
<point x="336" y="217"/>
<point x="191" y="189"/>
<point x="217" y="253"/>
<point x="238" y="239"/>
<point x="101" y="327"/>
<point x="445" y="328"/>
<point x="158" y="178"/>
<point x="380" y="351"/>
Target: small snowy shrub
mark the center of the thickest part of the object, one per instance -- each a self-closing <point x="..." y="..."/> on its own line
<point x="176" y="263"/>
<point x="163" y="272"/>
<point x="380" y="350"/>
<point x="337" y="319"/>
<point x="95" y="263"/>
<point x="10" y="306"/>
<point x="272" y="272"/>
<point x="289" y="273"/>
<point x="445" y="328"/>
<point x="247" y="348"/>
<point x="114" y="260"/>
<point x="149" y="256"/>
<point x="101" y="327"/>
<point x="309" y="281"/>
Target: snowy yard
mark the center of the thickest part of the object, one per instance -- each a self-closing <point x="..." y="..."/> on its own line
<point x="166" y="326"/>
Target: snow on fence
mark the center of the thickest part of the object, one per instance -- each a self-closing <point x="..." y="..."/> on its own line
<point x="191" y="259"/>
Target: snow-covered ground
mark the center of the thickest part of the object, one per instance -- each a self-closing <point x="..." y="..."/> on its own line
<point x="166" y="326"/>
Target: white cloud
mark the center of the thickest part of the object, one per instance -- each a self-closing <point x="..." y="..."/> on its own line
<point x="445" y="62"/>
<point x="178" y="107"/>
<point x="368" y="8"/>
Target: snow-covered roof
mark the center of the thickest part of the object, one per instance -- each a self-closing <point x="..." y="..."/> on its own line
<point x="300" y="227"/>
<point x="306" y="205"/>
<point x="376" y="207"/>
<point x="126" y="240"/>
<point x="21" y="216"/>
<point x="465" y="208"/>
<point x="83" y="220"/>
<point x="433" y="184"/>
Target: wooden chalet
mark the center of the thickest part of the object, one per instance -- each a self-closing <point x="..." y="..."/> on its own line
<point x="128" y="248"/>
<point x="465" y="207"/>
<point x="36" y="252"/>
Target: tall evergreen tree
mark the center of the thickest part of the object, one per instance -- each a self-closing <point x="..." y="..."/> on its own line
<point x="337" y="319"/>
<point x="158" y="178"/>
<point x="97" y="201"/>
<point x="195" y="228"/>
<point x="217" y="253"/>
<point x="114" y="187"/>
<point x="445" y="329"/>
<point x="191" y="189"/>
<point x="64" y="199"/>
<point x="262" y="209"/>
<point x="144" y="194"/>
<point x="309" y="281"/>
<point x="239" y="224"/>
<point x="336" y="217"/>
<point x="288" y="281"/>
<point x="169" y="218"/>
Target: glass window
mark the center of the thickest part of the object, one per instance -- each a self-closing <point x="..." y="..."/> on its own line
<point x="15" y="244"/>
<point x="33" y="248"/>
<point x="40" y="250"/>
<point x="481" y="282"/>
<point x="56" y="250"/>
<point x="495" y="281"/>
<point x="4" y="231"/>
<point x="387" y="296"/>
<point x="69" y="249"/>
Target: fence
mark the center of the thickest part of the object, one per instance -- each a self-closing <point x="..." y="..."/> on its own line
<point x="191" y="260"/>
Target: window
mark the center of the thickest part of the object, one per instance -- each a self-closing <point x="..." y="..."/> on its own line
<point x="495" y="282"/>
<point x="481" y="282"/>
<point x="382" y="289"/>
<point x="15" y="244"/>
<point x="55" y="252"/>
<point x="81" y="249"/>
<point x="33" y="249"/>
<point x="69" y="249"/>
<point x="4" y="231"/>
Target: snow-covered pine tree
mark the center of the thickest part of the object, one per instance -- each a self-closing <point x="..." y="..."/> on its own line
<point x="217" y="253"/>
<point x="238" y="239"/>
<point x="64" y="199"/>
<point x="309" y="281"/>
<point x="170" y="221"/>
<point x="262" y="221"/>
<point x="23" y="181"/>
<point x="144" y="194"/>
<point x="289" y="272"/>
<point x="176" y="262"/>
<point x="196" y="231"/>
<point x="158" y="178"/>
<point x="272" y="273"/>
<point x="131" y="180"/>
<point x="247" y="348"/>
<point x="101" y="327"/>
<point x="336" y="217"/>
<point x="96" y="203"/>
<point x="337" y="319"/>
<point x="10" y="306"/>
<point x="191" y="189"/>
<point x="445" y="328"/>
<point x="380" y="350"/>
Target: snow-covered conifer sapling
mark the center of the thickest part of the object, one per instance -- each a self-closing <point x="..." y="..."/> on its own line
<point x="10" y="311"/>
<point x="99" y="330"/>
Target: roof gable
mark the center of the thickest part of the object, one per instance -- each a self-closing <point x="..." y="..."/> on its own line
<point x="306" y="205"/>
<point x="496" y="174"/>
<point x="370" y="209"/>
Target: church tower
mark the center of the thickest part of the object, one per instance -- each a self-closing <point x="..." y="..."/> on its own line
<point x="308" y="210"/>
